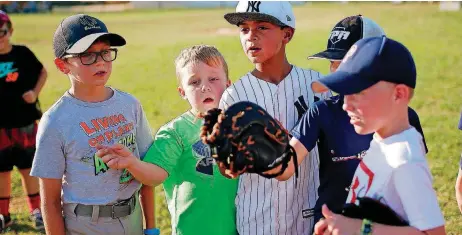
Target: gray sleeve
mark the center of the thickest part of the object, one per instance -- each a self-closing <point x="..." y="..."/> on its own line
<point x="144" y="137"/>
<point x="49" y="160"/>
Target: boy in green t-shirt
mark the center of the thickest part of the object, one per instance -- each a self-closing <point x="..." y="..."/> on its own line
<point x="200" y="199"/>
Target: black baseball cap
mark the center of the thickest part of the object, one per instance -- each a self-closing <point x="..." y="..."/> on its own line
<point x="77" y="33"/>
<point x="345" y="33"/>
<point x="369" y="61"/>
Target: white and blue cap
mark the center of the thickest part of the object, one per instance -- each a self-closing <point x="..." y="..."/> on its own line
<point x="75" y="34"/>
<point x="369" y="61"/>
<point x="275" y="12"/>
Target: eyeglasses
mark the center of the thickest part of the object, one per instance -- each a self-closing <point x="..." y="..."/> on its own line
<point x="89" y="58"/>
<point x="3" y="33"/>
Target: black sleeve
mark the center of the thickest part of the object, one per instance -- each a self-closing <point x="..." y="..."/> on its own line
<point x="415" y="122"/>
<point x="32" y="61"/>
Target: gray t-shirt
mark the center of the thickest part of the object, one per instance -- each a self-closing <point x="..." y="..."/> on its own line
<point x="66" y="139"/>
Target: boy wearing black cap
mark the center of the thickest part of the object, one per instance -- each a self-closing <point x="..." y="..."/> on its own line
<point x="22" y="77"/>
<point x="95" y="198"/>
<point x="328" y="125"/>
<point x="377" y="77"/>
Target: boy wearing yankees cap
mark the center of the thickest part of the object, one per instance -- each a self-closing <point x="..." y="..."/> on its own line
<point x="95" y="198"/>
<point x="268" y="206"/>
<point x="377" y="77"/>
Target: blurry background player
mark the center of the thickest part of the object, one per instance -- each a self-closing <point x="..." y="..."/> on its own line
<point x="459" y="177"/>
<point x="328" y="125"/>
<point x="22" y="77"/>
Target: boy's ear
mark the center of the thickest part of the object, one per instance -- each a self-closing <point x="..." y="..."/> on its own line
<point x="61" y="65"/>
<point x="402" y="93"/>
<point x="228" y="83"/>
<point x="181" y="92"/>
<point x="288" y="34"/>
<point x="11" y="31"/>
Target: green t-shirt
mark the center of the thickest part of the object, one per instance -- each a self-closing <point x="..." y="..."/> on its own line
<point x="200" y="199"/>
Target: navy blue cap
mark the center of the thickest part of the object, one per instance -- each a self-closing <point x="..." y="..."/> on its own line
<point x="369" y="61"/>
<point x="77" y="33"/>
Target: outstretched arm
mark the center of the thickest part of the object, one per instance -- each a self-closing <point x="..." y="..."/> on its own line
<point x="119" y="157"/>
<point x="301" y="152"/>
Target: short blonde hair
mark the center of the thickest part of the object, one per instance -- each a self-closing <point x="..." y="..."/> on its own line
<point x="199" y="53"/>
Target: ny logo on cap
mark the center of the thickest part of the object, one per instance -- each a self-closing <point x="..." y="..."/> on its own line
<point x="254" y="6"/>
<point x="337" y="35"/>
<point x="89" y="23"/>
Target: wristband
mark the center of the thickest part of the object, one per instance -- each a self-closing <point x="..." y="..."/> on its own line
<point x="366" y="227"/>
<point x="152" y="231"/>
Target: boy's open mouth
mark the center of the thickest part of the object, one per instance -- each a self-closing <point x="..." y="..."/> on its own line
<point x="208" y="100"/>
<point x="254" y="49"/>
<point x="100" y="73"/>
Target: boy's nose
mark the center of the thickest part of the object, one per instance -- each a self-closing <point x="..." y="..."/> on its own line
<point x="252" y="35"/>
<point x="206" y="88"/>
<point x="99" y="60"/>
<point x="347" y="104"/>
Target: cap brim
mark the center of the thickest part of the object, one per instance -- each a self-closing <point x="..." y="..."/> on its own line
<point x="342" y="83"/>
<point x="237" y="18"/>
<point x="329" y="55"/>
<point x="84" y="43"/>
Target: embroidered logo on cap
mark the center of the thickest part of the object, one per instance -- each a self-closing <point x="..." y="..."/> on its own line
<point x="253" y="6"/>
<point x="337" y="35"/>
<point x="89" y="23"/>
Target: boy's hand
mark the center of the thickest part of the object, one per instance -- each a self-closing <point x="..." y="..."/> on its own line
<point x="336" y="224"/>
<point x="29" y="96"/>
<point x="116" y="157"/>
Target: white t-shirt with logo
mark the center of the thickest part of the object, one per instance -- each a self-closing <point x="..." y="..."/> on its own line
<point x="395" y="172"/>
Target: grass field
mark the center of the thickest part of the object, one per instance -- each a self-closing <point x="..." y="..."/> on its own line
<point x="145" y="69"/>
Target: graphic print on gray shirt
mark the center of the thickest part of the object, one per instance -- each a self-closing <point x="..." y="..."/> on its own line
<point x="67" y="135"/>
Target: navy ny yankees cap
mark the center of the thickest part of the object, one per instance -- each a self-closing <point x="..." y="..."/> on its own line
<point x="75" y="34"/>
<point x="369" y="61"/>
<point x="278" y="13"/>
<point x="345" y="33"/>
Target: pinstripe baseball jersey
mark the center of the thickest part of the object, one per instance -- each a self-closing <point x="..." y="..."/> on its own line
<point x="268" y="206"/>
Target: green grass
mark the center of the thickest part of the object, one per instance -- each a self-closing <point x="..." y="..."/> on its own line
<point x="145" y="69"/>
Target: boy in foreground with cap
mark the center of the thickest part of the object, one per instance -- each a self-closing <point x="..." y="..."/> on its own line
<point x="377" y="78"/>
<point x="268" y="206"/>
<point x="95" y="198"/>
<point x="328" y="125"/>
<point x="21" y="81"/>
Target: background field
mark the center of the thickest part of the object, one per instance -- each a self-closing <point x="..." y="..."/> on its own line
<point x="145" y="69"/>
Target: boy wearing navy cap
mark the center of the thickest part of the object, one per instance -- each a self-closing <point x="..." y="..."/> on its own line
<point x="328" y="125"/>
<point x="377" y="77"/>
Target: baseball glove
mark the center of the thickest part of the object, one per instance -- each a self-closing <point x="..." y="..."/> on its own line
<point x="373" y="210"/>
<point x="245" y="138"/>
